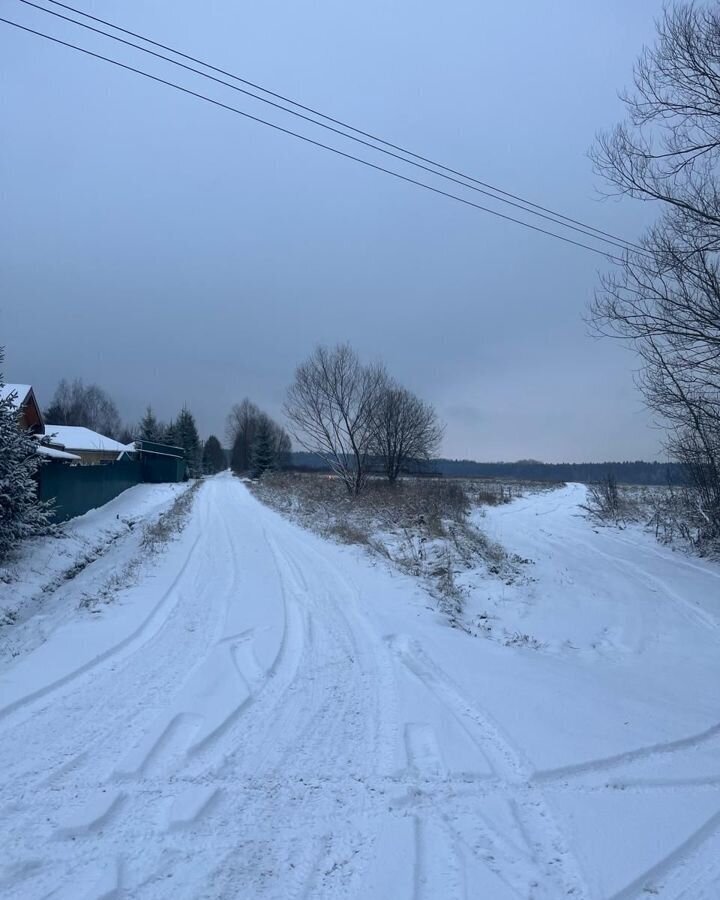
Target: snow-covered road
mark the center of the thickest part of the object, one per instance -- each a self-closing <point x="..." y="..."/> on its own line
<point x="268" y="715"/>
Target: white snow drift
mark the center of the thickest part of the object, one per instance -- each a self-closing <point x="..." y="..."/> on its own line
<point x="267" y="715"/>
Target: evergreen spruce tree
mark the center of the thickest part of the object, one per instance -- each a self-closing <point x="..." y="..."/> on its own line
<point x="264" y="450"/>
<point x="242" y="425"/>
<point x="149" y="428"/>
<point x="189" y="440"/>
<point x="238" y="454"/>
<point x="213" y="456"/>
<point x="170" y="435"/>
<point x="21" y="512"/>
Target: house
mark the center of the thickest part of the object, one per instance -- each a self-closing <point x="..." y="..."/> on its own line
<point x="89" y="446"/>
<point x="66" y="443"/>
<point x="84" y="469"/>
<point x="23" y="399"/>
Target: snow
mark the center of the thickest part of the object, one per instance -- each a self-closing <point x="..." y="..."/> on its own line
<point x="56" y="454"/>
<point x="41" y="588"/>
<point x="264" y="714"/>
<point x="76" y="437"/>
<point x="19" y="392"/>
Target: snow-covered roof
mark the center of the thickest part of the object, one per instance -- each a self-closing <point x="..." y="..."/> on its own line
<point x="20" y="392"/>
<point x="56" y="454"/>
<point x="75" y="437"/>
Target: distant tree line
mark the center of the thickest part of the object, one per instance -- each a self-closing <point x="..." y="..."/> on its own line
<point x="637" y="472"/>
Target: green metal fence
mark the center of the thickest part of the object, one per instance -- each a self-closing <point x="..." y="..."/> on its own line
<point x="76" y="489"/>
<point x="161" y="462"/>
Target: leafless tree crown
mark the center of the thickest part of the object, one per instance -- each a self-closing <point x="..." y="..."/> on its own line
<point x="665" y="298"/>
<point x="330" y="407"/>
<point x="244" y="423"/>
<point x="76" y="403"/>
<point x="354" y="415"/>
<point x="405" y="430"/>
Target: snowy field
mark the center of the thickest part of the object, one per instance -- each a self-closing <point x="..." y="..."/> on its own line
<point x="262" y="713"/>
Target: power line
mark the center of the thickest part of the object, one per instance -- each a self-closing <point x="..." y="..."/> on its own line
<point x="485" y="188"/>
<point x="309" y="140"/>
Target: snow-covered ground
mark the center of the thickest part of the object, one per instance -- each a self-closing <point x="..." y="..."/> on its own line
<point x="41" y="588"/>
<point x="265" y="714"/>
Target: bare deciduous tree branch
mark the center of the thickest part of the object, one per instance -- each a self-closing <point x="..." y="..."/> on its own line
<point x="666" y="300"/>
<point x="330" y="407"/>
<point x="405" y="430"/>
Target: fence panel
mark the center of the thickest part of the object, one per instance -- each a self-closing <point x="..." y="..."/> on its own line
<point x="76" y="489"/>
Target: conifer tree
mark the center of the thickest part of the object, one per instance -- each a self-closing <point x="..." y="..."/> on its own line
<point x="169" y="435"/>
<point x="149" y="428"/>
<point x="22" y="514"/>
<point x="189" y="440"/>
<point x="213" y="456"/>
<point x="242" y="424"/>
<point x="126" y="435"/>
<point x="238" y="454"/>
<point x="264" y="451"/>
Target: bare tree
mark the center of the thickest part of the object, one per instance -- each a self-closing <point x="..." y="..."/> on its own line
<point x="75" y="403"/>
<point x="240" y="430"/>
<point x="244" y="422"/>
<point x="664" y="296"/>
<point x="126" y="435"/>
<point x="405" y="430"/>
<point x="330" y="407"/>
<point x="604" y="499"/>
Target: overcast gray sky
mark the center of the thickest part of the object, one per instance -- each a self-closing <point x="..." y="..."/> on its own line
<point x="176" y="253"/>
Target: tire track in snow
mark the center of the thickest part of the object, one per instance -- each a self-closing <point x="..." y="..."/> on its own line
<point x="651" y="881"/>
<point x="154" y="778"/>
<point x="620" y="760"/>
<point x="105" y="681"/>
<point x="296" y="794"/>
<point x="314" y="710"/>
<point x="151" y="677"/>
<point x="315" y="721"/>
<point x="267" y="692"/>
<point x="432" y="838"/>
<point x="668" y="876"/>
<point x="120" y="651"/>
<point x="547" y="850"/>
<point x="692" y="611"/>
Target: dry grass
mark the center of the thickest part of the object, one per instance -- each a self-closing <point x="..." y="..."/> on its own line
<point x="676" y="517"/>
<point x="321" y="502"/>
<point x="347" y="533"/>
<point x="672" y="513"/>
<point x="419" y="525"/>
<point x="169" y="524"/>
